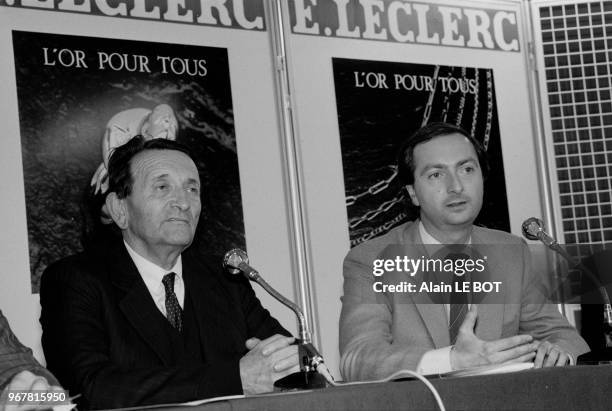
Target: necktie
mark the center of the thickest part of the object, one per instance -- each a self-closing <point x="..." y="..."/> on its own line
<point x="174" y="313"/>
<point x="458" y="301"/>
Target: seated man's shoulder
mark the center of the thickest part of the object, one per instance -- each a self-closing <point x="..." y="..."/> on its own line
<point x="371" y="249"/>
<point x="69" y="263"/>
<point x="77" y="268"/>
<point x="205" y="264"/>
<point x="209" y="268"/>
<point x="483" y="235"/>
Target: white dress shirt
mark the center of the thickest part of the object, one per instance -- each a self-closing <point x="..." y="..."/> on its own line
<point x="152" y="275"/>
<point x="435" y="361"/>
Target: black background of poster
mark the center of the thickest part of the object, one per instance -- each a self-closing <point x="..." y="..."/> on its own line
<point x="373" y="122"/>
<point x="63" y="112"/>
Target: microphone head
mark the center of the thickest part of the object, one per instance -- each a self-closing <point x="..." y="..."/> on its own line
<point x="531" y="227"/>
<point x="232" y="260"/>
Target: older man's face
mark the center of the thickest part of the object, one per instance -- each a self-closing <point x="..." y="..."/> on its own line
<point x="163" y="208"/>
<point x="448" y="183"/>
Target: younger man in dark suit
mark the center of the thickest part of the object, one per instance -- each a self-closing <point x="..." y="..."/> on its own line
<point x="144" y="320"/>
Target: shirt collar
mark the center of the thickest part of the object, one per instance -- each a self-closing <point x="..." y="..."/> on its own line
<point x="429" y="239"/>
<point x="425" y="236"/>
<point x="151" y="273"/>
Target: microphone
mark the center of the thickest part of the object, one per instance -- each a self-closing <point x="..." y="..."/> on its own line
<point x="533" y="229"/>
<point x="236" y="261"/>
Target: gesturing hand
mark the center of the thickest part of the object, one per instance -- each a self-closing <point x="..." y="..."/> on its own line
<point x="470" y="351"/>
<point x="266" y="362"/>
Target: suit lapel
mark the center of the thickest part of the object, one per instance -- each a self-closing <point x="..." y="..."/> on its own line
<point x="434" y="317"/>
<point x="491" y="308"/>
<point x="212" y="310"/>
<point x="137" y="304"/>
<point x="490" y="319"/>
<point x="433" y="314"/>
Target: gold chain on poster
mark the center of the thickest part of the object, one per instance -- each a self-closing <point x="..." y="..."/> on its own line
<point x="446" y="102"/>
<point x="490" y="108"/>
<point x="374" y="189"/>
<point x="430" y="100"/>
<point x="379" y="230"/>
<point x="475" y="116"/>
<point x="370" y="215"/>
<point x="462" y="99"/>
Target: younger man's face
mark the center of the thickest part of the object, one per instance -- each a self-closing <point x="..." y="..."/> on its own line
<point x="448" y="183"/>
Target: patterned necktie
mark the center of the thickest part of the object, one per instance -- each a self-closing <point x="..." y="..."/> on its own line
<point x="174" y="313"/>
<point x="458" y="301"/>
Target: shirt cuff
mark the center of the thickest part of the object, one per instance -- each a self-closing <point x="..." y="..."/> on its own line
<point x="435" y="361"/>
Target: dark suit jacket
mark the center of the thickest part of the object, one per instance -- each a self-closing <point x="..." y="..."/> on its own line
<point x="593" y="328"/>
<point x="100" y="340"/>
<point x="15" y="357"/>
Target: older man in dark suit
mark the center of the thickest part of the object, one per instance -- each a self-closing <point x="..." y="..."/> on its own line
<point x="144" y="320"/>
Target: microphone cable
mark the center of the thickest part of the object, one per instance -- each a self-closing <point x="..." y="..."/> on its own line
<point x="395" y="375"/>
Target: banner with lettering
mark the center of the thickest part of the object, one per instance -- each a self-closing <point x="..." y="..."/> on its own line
<point x="236" y="14"/>
<point x="404" y="21"/>
<point x="379" y="105"/>
<point x="80" y="97"/>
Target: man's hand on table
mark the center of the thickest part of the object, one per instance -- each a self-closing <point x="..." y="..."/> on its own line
<point x="550" y="355"/>
<point x="267" y="361"/>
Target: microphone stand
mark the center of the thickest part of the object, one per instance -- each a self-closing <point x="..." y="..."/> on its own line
<point x="313" y="371"/>
<point x="532" y="229"/>
<point x="598" y="355"/>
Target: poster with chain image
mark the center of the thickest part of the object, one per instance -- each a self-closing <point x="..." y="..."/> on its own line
<point x="379" y="105"/>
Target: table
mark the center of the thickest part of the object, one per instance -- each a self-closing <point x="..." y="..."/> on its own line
<point x="566" y="388"/>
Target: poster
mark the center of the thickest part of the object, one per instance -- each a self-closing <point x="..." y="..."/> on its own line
<point x="379" y="105"/>
<point x="68" y="90"/>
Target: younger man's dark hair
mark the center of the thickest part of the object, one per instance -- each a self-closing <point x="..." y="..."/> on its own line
<point x="405" y="158"/>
